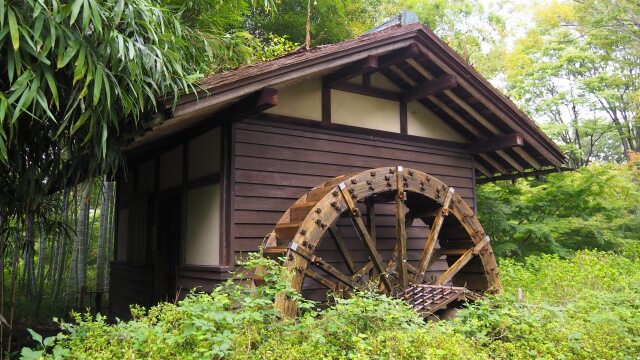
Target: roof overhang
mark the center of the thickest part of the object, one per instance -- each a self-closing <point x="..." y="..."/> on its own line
<point x="504" y="140"/>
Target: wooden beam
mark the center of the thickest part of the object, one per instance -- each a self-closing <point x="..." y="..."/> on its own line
<point x="528" y="158"/>
<point x="326" y="102"/>
<point x="499" y="142"/>
<point x="404" y="127"/>
<point x="342" y="247"/>
<point x="461" y="262"/>
<point x="499" y="168"/>
<point x="331" y="270"/>
<point x="427" y="252"/>
<point x="454" y="115"/>
<point x="487" y="102"/>
<point x="363" y="234"/>
<point x="521" y="175"/>
<point x="401" y="231"/>
<point x="321" y="279"/>
<point x="368" y="65"/>
<point x="516" y="165"/>
<point x="432" y="87"/>
<point x="367" y="91"/>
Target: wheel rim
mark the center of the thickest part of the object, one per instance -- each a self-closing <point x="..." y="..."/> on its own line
<point x="319" y="217"/>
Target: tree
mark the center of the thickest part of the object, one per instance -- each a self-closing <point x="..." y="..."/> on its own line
<point x="567" y="81"/>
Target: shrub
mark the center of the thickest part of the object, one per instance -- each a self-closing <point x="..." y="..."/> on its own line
<point x="584" y="307"/>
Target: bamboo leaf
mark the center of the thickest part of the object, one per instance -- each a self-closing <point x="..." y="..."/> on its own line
<point x="81" y="120"/>
<point x="97" y="85"/>
<point x="69" y="53"/>
<point x="13" y="28"/>
<point x="75" y="10"/>
<point x="2" y="11"/>
<point x="52" y="86"/>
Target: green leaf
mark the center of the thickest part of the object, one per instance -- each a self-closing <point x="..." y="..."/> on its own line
<point x="13" y="28"/>
<point x="2" y="11"/>
<point x="37" y="337"/>
<point x="75" y="10"/>
<point x="69" y="53"/>
<point x="52" y="86"/>
<point x="28" y="354"/>
<point x="81" y="120"/>
<point x="97" y="85"/>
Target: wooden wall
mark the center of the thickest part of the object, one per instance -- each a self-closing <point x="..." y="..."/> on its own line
<point x="129" y="284"/>
<point x="276" y="162"/>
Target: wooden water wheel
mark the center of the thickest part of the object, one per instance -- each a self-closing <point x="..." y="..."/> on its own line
<point x="401" y="229"/>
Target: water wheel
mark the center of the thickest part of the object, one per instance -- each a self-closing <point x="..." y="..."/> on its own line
<point x="401" y="229"/>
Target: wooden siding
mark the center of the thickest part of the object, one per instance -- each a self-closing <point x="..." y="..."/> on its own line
<point x="275" y="163"/>
<point x="129" y="284"/>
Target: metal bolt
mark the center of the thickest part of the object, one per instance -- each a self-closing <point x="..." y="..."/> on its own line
<point x="390" y="171"/>
<point x="406" y="185"/>
<point x="369" y="182"/>
<point x="290" y="257"/>
<point x="387" y="177"/>
<point x="428" y="178"/>
<point x="318" y="221"/>
<point x="318" y="210"/>
<point x="323" y="225"/>
<point x="373" y="173"/>
<point x="353" y="181"/>
<point x="388" y="184"/>
<point x="410" y="172"/>
<point x="303" y="231"/>
<point x="422" y="188"/>
<point x="351" y="191"/>
<point x="334" y="204"/>
<point x="371" y="188"/>
<point x="305" y="243"/>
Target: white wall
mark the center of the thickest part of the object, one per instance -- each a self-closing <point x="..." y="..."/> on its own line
<point x="304" y="100"/>
<point x="202" y="246"/>
<point x="364" y="111"/>
<point x="301" y="100"/>
<point x="422" y="122"/>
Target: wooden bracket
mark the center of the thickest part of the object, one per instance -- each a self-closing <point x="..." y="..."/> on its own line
<point x="496" y="143"/>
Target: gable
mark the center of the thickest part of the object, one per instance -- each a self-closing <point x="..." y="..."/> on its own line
<point x="408" y="63"/>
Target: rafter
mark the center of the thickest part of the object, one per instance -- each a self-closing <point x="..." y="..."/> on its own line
<point x="499" y="142"/>
<point x="432" y="87"/>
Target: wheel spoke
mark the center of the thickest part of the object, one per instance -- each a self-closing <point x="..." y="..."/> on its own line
<point x="331" y="270"/>
<point x="427" y="252"/>
<point x="401" y="231"/>
<point x="342" y="247"/>
<point x="461" y="262"/>
<point x="362" y="232"/>
<point x="321" y="279"/>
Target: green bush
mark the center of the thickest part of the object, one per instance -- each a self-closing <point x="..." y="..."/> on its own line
<point x="594" y="207"/>
<point x="584" y="307"/>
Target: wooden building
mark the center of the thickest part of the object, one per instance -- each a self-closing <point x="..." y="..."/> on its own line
<point x="209" y="182"/>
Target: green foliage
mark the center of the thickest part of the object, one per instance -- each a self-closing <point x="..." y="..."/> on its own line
<point x="579" y="78"/>
<point x="585" y="307"/>
<point x="592" y="207"/>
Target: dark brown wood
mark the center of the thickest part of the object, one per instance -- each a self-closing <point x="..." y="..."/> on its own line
<point x="364" y="236"/>
<point x="484" y="180"/>
<point x="429" y="247"/>
<point x="245" y="107"/>
<point x="342" y="247"/>
<point x="432" y="87"/>
<point x="367" y="91"/>
<point x="326" y="102"/>
<point x="368" y="65"/>
<point x="403" y="118"/>
<point x="401" y="231"/>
